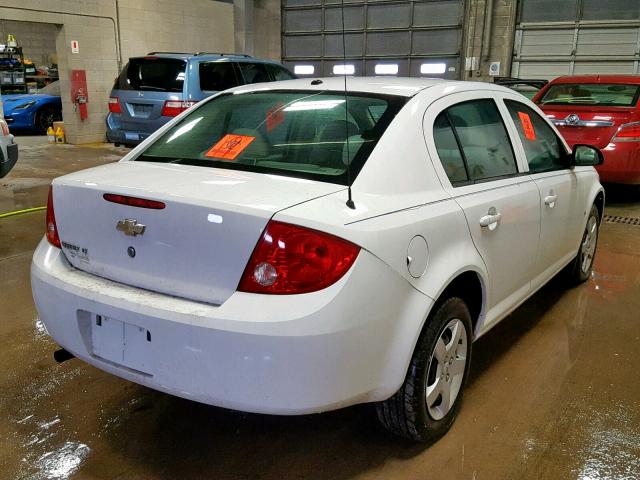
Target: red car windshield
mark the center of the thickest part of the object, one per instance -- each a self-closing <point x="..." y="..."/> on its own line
<point x="608" y="95"/>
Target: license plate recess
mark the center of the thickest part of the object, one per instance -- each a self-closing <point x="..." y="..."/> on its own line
<point x="122" y="343"/>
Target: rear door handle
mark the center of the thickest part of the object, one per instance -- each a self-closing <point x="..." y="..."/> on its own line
<point x="550" y="200"/>
<point x="491" y="220"/>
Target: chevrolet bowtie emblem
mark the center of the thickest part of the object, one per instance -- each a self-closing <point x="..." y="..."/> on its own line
<point x="131" y="227"/>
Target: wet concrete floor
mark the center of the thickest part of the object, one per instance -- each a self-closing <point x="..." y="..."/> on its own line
<point x="554" y="391"/>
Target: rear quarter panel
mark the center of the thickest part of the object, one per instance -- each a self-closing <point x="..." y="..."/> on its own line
<point x="398" y="196"/>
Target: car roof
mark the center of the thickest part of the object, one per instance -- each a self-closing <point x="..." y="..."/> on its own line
<point x="236" y="57"/>
<point x="634" y="79"/>
<point x="399" y="86"/>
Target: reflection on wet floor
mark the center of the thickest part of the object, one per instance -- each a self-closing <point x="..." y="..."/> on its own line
<point x="554" y="393"/>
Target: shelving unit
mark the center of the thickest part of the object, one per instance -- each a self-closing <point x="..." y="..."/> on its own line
<point x="12" y="76"/>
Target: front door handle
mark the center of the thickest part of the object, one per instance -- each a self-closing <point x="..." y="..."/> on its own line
<point x="490" y="220"/>
<point x="550" y="200"/>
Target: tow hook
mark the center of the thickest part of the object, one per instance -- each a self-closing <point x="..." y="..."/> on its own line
<point x="62" y="355"/>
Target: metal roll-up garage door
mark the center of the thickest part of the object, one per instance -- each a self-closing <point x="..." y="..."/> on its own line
<point x="407" y="38"/>
<point x="572" y="37"/>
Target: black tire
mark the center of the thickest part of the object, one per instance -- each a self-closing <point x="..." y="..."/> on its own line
<point x="579" y="270"/>
<point x="45" y="118"/>
<point x="406" y="413"/>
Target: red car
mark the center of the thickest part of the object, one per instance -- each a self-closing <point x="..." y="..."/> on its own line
<point x="599" y="110"/>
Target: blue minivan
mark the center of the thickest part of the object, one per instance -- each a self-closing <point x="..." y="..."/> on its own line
<point x="152" y="89"/>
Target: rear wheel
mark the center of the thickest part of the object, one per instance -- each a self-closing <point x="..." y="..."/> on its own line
<point x="579" y="270"/>
<point x="45" y="118"/>
<point x="425" y="406"/>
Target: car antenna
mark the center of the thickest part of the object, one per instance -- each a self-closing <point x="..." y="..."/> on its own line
<point x="350" y="203"/>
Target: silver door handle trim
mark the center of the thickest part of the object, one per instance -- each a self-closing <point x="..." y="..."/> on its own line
<point x="489" y="220"/>
<point x="550" y="200"/>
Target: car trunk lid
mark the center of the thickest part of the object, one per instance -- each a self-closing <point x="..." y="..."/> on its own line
<point x="196" y="247"/>
<point x="586" y="124"/>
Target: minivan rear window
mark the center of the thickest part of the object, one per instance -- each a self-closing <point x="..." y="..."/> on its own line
<point x="307" y="134"/>
<point x="598" y="94"/>
<point x="154" y="74"/>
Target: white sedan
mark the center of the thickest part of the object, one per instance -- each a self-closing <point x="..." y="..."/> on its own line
<point x="8" y="149"/>
<point x="289" y="248"/>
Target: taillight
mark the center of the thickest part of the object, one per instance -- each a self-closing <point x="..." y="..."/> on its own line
<point x="289" y="259"/>
<point x="4" y="127"/>
<point x="52" y="229"/>
<point x="173" y="108"/>
<point x="629" y="132"/>
<point x="114" y="105"/>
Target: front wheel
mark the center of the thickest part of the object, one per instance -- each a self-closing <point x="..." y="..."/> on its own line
<point x="45" y="118"/>
<point x="425" y="406"/>
<point x="579" y="270"/>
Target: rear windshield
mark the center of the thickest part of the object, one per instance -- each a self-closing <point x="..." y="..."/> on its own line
<point x="152" y="74"/>
<point x="315" y="135"/>
<point x="607" y="95"/>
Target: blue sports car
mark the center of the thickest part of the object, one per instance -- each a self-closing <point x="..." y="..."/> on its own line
<point x="34" y="112"/>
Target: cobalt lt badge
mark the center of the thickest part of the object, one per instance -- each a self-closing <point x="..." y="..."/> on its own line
<point x="130" y="227"/>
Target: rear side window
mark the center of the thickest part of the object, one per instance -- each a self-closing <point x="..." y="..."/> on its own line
<point x="153" y="74"/>
<point x="217" y="76"/>
<point x="448" y="150"/>
<point x="314" y="135"/>
<point x="606" y="95"/>
<point x="254" y="72"/>
<point x="279" y="73"/>
<point x="482" y="140"/>
<point x="541" y="145"/>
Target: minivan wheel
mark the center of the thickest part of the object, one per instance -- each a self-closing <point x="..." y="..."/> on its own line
<point x="425" y="406"/>
<point x="579" y="270"/>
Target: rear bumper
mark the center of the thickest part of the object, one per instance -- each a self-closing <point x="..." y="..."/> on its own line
<point x="117" y="132"/>
<point x="621" y="163"/>
<point x="8" y="158"/>
<point x="350" y="343"/>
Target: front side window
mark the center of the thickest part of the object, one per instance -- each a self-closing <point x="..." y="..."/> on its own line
<point x="254" y="72"/>
<point x="599" y="94"/>
<point x="315" y="135"/>
<point x="541" y="145"/>
<point x="279" y="73"/>
<point x="217" y="76"/>
<point x="482" y="139"/>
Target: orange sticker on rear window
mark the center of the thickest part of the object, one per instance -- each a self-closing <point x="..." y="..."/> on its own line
<point x="230" y="146"/>
<point x="527" y="126"/>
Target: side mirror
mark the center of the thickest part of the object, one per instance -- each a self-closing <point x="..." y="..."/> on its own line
<point x="586" y="156"/>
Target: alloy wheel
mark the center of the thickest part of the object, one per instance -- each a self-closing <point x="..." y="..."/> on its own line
<point x="588" y="247"/>
<point x="46" y="119"/>
<point x="446" y="369"/>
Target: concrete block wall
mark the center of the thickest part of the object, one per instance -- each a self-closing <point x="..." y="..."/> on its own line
<point x="145" y="25"/>
<point x="499" y="48"/>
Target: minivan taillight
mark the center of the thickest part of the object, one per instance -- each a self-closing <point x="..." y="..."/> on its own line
<point x="174" y="108"/>
<point x="629" y="132"/>
<point x="289" y="259"/>
<point x="52" y="229"/>
<point x="114" y="105"/>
